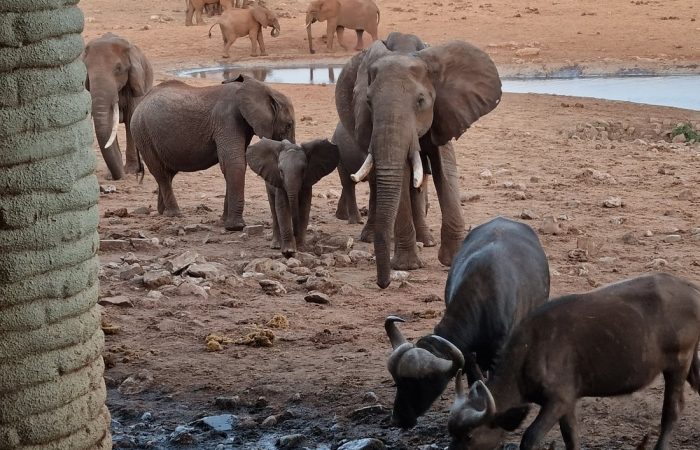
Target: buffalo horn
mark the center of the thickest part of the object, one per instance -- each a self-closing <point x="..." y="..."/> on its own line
<point x="455" y="354"/>
<point x="395" y="336"/>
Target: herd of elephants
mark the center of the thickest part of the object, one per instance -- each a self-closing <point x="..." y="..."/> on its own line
<point x="400" y="103"/>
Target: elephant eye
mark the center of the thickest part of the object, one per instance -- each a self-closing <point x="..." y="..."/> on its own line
<point x="420" y="103"/>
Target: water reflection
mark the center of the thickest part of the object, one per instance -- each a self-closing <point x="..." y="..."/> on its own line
<point x="325" y="74"/>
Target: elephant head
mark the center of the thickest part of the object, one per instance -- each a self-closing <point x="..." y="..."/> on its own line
<point x="117" y="74"/>
<point x="268" y="112"/>
<point x="320" y="11"/>
<point x="392" y="101"/>
<point x="266" y="18"/>
<point x="420" y="372"/>
<point x="293" y="169"/>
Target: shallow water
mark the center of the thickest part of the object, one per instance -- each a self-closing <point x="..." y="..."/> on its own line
<point x="682" y="91"/>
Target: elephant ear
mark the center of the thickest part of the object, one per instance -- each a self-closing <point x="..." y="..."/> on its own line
<point x="467" y="86"/>
<point x="140" y="72"/>
<point x="329" y="8"/>
<point x="258" y="107"/>
<point x="261" y="16"/>
<point x="322" y="157"/>
<point x="262" y="157"/>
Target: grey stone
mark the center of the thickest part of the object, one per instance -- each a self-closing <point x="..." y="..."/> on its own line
<point x="181" y="262"/>
<point x="359" y="255"/>
<point x="131" y="271"/>
<point x="188" y="288"/>
<point x="254" y="230"/>
<point x="130" y="258"/>
<point x="290" y="441"/>
<point x="322" y="284"/>
<point x="370" y="397"/>
<point x="224" y="402"/>
<point x="307" y="259"/>
<point x="154" y="295"/>
<point x="486" y="174"/>
<point x="342" y="260"/>
<point x="141" y="211"/>
<point x="272" y="287"/>
<point x="269" y="267"/>
<point x="528" y="215"/>
<point x="203" y="270"/>
<point x="672" y="238"/>
<point x="108" y="188"/>
<point x="657" y="263"/>
<point x="157" y="278"/>
<point x="119" y="300"/>
<point x="301" y="271"/>
<point x="292" y="263"/>
<point x="363" y="444"/>
<point x="136" y="383"/>
<point x="365" y="411"/>
<point x="613" y="202"/>
<point x="317" y="297"/>
<point x="222" y="422"/>
<point x="269" y="421"/>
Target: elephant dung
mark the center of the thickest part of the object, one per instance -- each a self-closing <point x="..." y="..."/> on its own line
<point x="181" y="262"/>
<point x="157" y="278"/>
<point x="363" y="444"/>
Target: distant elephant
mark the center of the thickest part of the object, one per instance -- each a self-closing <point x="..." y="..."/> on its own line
<point x="351" y="159"/>
<point x="180" y="128"/>
<point x="399" y="106"/>
<point x="236" y="23"/>
<point x="196" y="7"/>
<point x="359" y="15"/>
<point x="118" y="76"/>
<point x="290" y="171"/>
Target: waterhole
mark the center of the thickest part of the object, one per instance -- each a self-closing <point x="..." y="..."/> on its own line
<point x="681" y="91"/>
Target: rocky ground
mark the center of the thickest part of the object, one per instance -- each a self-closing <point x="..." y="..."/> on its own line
<point x="290" y="353"/>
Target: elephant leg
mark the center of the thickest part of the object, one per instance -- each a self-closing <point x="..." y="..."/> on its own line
<point x="227" y="46"/>
<point x="446" y="178"/>
<point x="367" y="234"/>
<point x="341" y="212"/>
<point x="330" y="34"/>
<point x="167" y="204"/>
<point x="231" y="153"/>
<point x="419" y="201"/>
<point x="188" y="14"/>
<point x="253" y="43"/>
<point x="284" y="221"/>
<point x="132" y="157"/>
<point x="340" y="31"/>
<point x="359" y="45"/>
<point x="198" y="16"/>
<point x="304" y="211"/>
<point x="347" y="205"/>
<point x="405" y="250"/>
<point x="273" y="210"/>
<point x="261" y="43"/>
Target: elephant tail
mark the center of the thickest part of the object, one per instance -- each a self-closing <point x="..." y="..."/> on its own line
<point x="215" y="24"/>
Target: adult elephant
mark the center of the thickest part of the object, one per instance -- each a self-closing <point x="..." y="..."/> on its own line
<point x="180" y="128"/>
<point x="118" y="76"/>
<point x="399" y="106"/>
<point x="359" y="15"/>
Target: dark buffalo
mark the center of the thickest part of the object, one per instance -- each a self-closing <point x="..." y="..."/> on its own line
<point x="611" y="341"/>
<point x="499" y="275"/>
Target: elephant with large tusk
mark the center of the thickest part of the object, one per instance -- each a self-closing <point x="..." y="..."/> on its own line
<point x="118" y="76"/>
<point x="398" y="105"/>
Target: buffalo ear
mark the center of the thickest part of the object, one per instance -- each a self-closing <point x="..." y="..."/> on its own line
<point x="140" y="72"/>
<point x="262" y="157"/>
<point x="512" y="418"/>
<point x="322" y="157"/>
<point x="258" y="107"/>
<point x="467" y="86"/>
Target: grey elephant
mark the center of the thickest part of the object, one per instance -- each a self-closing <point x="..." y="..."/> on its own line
<point x="351" y="159"/>
<point x="180" y="128"/>
<point x="399" y="106"/>
<point x="290" y="171"/>
<point x="118" y="76"/>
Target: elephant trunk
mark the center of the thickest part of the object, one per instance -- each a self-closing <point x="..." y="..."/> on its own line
<point x="309" y="21"/>
<point x="275" y="28"/>
<point x="105" y="115"/>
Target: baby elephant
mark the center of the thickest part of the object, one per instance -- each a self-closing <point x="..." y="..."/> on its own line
<point x="236" y="23"/>
<point x="290" y="171"/>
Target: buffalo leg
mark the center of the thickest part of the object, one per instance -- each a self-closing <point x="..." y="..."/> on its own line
<point x="569" y="430"/>
<point x="673" y="405"/>
<point x="549" y="414"/>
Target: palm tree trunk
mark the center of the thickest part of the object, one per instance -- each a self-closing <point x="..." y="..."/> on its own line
<point x="52" y="394"/>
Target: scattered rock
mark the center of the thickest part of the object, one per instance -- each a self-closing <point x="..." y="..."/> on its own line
<point x="131" y="271"/>
<point x="110" y="245"/>
<point x="370" y="397"/>
<point x="222" y="422"/>
<point x="290" y="441"/>
<point x="672" y="238"/>
<point x="272" y="287"/>
<point x="292" y="263"/>
<point x="270" y="421"/>
<point x="155" y="295"/>
<point x="359" y="255"/>
<point x="365" y="411"/>
<point x="204" y="270"/>
<point x="121" y="212"/>
<point x="551" y="226"/>
<point x="227" y="402"/>
<point x="332" y="244"/>
<point x="657" y="264"/>
<point x="108" y="189"/>
<point x="599" y="176"/>
<point x="528" y="215"/>
<point x="301" y="271"/>
<point x="317" y="297"/>
<point x="363" y="444"/>
<point x="181" y="262"/>
<point x="678" y="139"/>
<point x="399" y="275"/>
<point x="332" y="193"/>
<point x="687" y="195"/>
<point x="137" y="383"/>
<point x="322" y="284"/>
<point x="267" y="266"/>
<point x="157" y="278"/>
<point x="145" y="243"/>
<point x="613" y="202"/>
<point x="141" y="211"/>
<point x="648" y="233"/>
<point x="342" y="260"/>
<point x="307" y="259"/>
<point x="486" y="174"/>
<point x="189" y="288"/>
<point x="182" y="435"/>
<point x="527" y="51"/>
<point x="119" y="300"/>
<point x="254" y="230"/>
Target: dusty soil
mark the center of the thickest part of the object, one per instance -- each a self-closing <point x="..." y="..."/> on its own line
<point x="541" y="151"/>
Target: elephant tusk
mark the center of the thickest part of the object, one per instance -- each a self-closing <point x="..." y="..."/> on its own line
<point x="364" y="170"/>
<point x="115" y="123"/>
<point x="417" y="169"/>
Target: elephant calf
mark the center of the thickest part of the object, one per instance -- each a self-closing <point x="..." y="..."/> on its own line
<point x="236" y="23"/>
<point x="290" y="171"/>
